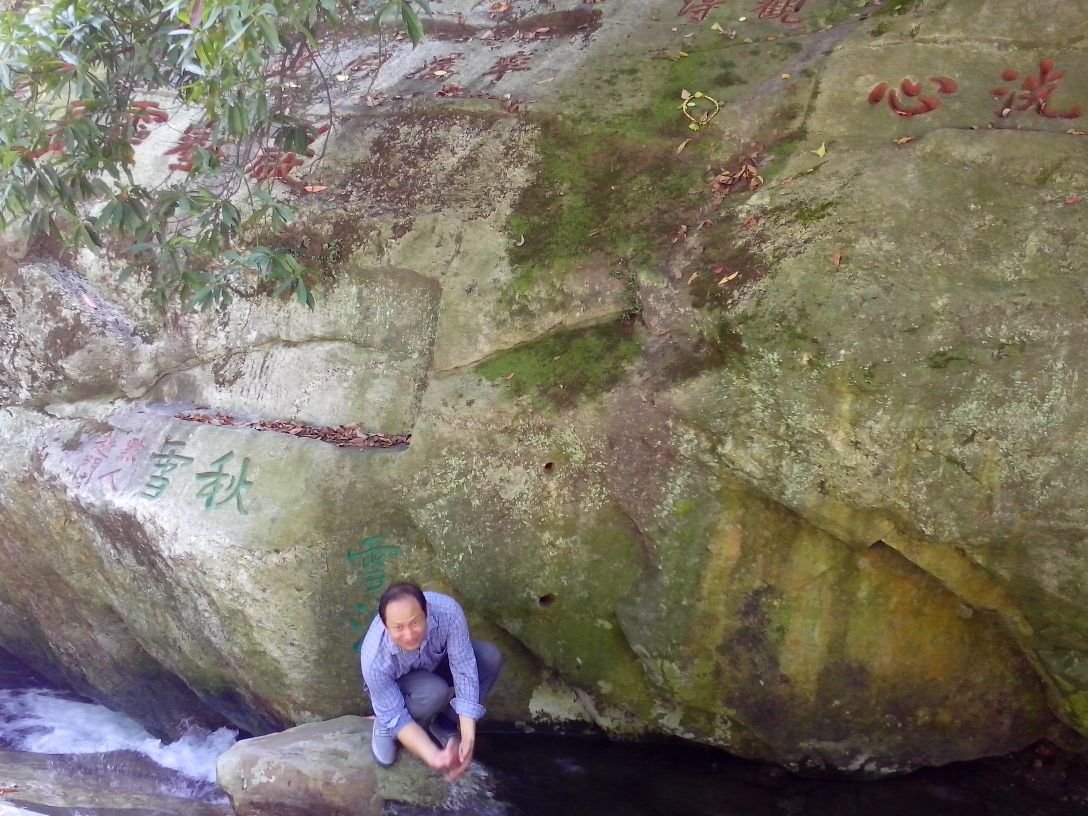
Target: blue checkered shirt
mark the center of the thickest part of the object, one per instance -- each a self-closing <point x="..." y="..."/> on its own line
<point x="383" y="662"/>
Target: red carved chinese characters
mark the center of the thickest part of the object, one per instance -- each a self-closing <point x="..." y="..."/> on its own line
<point x="698" y="11"/>
<point x="913" y="103"/>
<point x="109" y="475"/>
<point x="1035" y="92"/>
<point x="132" y="450"/>
<point x="100" y="451"/>
<point x="780" y="10"/>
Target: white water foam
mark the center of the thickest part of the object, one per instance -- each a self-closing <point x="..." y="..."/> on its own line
<point x="46" y="722"/>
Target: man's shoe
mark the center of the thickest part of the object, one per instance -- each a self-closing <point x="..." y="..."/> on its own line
<point x="383" y="744"/>
<point x="442" y="730"/>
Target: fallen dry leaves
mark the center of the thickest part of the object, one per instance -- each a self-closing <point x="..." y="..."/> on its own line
<point x="514" y="106"/>
<point x="515" y="62"/>
<point x="450" y="90"/>
<point x="343" y="436"/>
<point x="437" y="68"/>
<point x="746" y="177"/>
<point x="367" y="64"/>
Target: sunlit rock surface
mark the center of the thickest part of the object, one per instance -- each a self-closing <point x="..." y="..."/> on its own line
<point x="768" y="434"/>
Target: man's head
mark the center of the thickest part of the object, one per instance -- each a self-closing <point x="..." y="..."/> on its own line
<point x="403" y="610"/>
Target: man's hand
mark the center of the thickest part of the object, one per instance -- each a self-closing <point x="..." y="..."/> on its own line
<point x="467" y="729"/>
<point x="464" y="754"/>
<point x="462" y="759"/>
<point x="416" y="740"/>
<point x="453" y="760"/>
<point x="446" y="760"/>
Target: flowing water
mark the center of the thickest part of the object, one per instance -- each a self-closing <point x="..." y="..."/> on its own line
<point x="66" y="756"/>
<point x="63" y="755"/>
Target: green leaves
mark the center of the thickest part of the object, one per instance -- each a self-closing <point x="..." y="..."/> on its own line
<point x="411" y="23"/>
<point x="83" y="81"/>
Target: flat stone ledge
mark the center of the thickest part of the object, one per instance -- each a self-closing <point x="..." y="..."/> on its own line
<point x="326" y="769"/>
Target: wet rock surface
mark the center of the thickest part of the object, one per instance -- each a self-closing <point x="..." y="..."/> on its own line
<point x="112" y="783"/>
<point x="327" y="767"/>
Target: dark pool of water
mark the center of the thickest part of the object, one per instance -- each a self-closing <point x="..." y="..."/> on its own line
<point x="565" y="776"/>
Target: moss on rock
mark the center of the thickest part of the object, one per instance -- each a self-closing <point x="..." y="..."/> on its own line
<point x="563" y="368"/>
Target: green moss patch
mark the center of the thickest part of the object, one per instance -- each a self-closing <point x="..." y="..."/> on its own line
<point x="566" y="366"/>
<point x="807" y="216"/>
<point x="609" y="186"/>
<point x="597" y="193"/>
<point x="896" y="7"/>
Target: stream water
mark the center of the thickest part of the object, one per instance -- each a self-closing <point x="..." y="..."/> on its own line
<point x="68" y="757"/>
<point x="564" y="776"/>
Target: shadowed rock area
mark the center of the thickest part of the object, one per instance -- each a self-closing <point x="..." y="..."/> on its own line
<point x="766" y="434"/>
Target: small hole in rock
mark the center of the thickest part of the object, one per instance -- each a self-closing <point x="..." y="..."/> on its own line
<point x="546" y="600"/>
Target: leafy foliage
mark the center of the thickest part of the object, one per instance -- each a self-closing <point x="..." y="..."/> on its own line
<point x="83" y="81"/>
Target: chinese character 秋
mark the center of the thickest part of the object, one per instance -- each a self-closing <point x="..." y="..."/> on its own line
<point x="780" y="10"/>
<point x="912" y="90"/>
<point x="1035" y="92"/>
<point x="218" y="482"/>
<point x="166" y="461"/>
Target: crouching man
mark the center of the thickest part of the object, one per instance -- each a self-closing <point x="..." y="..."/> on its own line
<point x="415" y="649"/>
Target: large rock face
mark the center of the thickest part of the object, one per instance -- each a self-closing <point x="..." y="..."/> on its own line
<point x="765" y="434"/>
